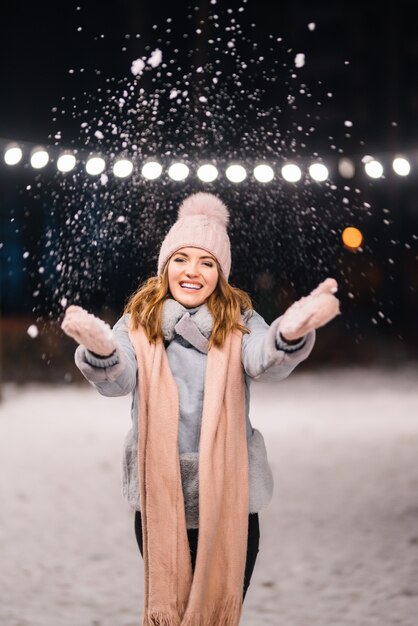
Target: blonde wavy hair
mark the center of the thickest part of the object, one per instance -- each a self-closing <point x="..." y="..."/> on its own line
<point x="225" y="304"/>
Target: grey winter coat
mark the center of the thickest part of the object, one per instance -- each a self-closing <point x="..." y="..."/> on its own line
<point x="264" y="357"/>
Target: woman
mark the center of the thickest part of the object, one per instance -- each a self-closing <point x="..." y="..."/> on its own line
<point x="196" y="472"/>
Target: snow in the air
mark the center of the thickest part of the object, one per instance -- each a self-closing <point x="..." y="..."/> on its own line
<point x="131" y="118"/>
<point x="300" y="60"/>
<point x="33" y="331"/>
<point x="137" y="67"/>
<point x="155" y="58"/>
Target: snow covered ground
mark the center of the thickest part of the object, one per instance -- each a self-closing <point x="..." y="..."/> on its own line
<point x="339" y="542"/>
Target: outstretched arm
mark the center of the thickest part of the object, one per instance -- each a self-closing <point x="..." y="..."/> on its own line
<point x="106" y="358"/>
<point x="270" y="353"/>
<point x="311" y="312"/>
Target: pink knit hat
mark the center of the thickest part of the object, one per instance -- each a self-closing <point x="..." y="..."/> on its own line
<point x="202" y="221"/>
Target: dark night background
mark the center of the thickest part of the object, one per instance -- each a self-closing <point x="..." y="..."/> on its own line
<point x="54" y="75"/>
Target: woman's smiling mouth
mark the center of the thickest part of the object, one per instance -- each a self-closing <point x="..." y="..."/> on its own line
<point x="194" y="286"/>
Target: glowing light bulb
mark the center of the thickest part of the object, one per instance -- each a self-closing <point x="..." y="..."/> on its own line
<point x="263" y="173"/>
<point x="39" y="158"/>
<point x="401" y="166"/>
<point x="123" y="168"/>
<point x="66" y="162"/>
<point x="178" y="171"/>
<point x="151" y="170"/>
<point x="95" y="166"/>
<point x="207" y="173"/>
<point x="291" y="172"/>
<point x="236" y="173"/>
<point x="13" y="155"/>
<point x="318" y="171"/>
<point x="374" y="168"/>
<point x="352" y="237"/>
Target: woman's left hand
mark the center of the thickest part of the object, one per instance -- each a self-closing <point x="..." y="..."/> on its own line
<point x="310" y="312"/>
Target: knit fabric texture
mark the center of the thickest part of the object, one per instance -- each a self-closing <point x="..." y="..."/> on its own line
<point x="201" y="223"/>
<point x="174" y="595"/>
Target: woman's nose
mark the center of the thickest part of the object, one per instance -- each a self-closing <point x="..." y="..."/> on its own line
<point x="191" y="270"/>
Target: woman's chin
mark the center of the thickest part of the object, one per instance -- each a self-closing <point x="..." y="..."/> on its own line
<point x="190" y="304"/>
<point x="189" y="300"/>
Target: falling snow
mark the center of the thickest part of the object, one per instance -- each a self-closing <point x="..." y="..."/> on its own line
<point x="155" y="58"/>
<point x="137" y="67"/>
<point x="160" y="110"/>
<point x="300" y="60"/>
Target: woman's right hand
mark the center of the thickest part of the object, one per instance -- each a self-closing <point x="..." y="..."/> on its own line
<point x="310" y="312"/>
<point x="88" y="330"/>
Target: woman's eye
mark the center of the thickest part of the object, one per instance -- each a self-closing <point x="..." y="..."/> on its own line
<point x="179" y="260"/>
<point x="208" y="264"/>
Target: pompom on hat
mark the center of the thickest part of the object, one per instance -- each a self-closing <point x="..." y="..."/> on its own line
<point x="201" y="223"/>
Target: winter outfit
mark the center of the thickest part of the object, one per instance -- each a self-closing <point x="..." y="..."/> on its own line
<point x="262" y="357"/>
<point x="192" y="458"/>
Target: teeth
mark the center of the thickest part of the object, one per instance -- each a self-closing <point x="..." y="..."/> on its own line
<point x="190" y="286"/>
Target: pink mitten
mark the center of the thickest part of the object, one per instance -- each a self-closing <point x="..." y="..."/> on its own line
<point x="88" y="330"/>
<point x="310" y="312"/>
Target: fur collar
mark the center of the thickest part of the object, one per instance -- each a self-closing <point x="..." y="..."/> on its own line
<point x="173" y="312"/>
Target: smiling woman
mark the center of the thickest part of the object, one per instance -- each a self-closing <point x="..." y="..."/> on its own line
<point x="192" y="276"/>
<point x="193" y="269"/>
<point x="196" y="472"/>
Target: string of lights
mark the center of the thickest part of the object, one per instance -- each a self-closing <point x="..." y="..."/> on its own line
<point x="15" y="153"/>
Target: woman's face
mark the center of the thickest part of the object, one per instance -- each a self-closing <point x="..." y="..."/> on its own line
<point x="192" y="276"/>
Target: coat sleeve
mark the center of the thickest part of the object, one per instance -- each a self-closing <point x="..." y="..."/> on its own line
<point x="265" y="356"/>
<point x="115" y="375"/>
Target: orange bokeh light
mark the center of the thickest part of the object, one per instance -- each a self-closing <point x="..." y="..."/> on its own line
<point x="352" y="237"/>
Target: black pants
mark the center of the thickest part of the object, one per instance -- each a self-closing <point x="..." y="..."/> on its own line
<point x="193" y="533"/>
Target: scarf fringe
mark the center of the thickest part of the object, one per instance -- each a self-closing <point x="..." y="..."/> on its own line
<point x="161" y="619"/>
<point x="226" y="614"/>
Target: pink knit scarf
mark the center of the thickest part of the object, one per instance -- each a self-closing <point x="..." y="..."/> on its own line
<point x="174" y="596"/>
